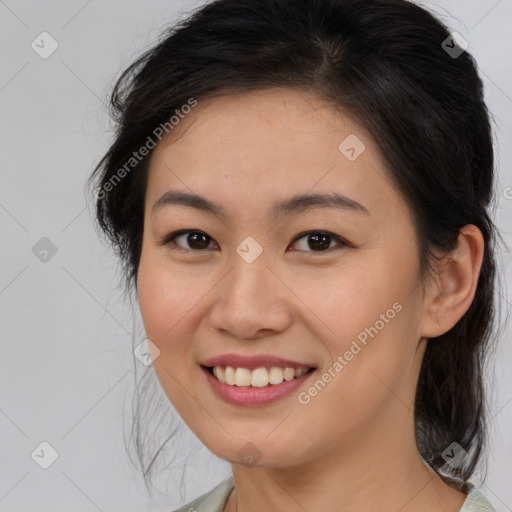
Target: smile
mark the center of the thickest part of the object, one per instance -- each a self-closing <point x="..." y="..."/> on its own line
<point x="258" y="377"/>
<point x="243" y="392"/>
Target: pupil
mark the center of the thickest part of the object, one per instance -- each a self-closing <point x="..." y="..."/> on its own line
<point x="317" y="241"/>
<point x="194" y="238"/>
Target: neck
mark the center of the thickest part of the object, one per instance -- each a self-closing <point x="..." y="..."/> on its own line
<point x="374" y="469"/>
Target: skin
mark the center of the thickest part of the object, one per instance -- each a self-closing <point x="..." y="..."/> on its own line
<point x="353" y="444"/>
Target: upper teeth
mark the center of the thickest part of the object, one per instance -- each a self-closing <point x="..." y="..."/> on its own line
<point x="259" y="377"/>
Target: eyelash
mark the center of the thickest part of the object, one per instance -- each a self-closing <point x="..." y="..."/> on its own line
<point x="170" y="239"/>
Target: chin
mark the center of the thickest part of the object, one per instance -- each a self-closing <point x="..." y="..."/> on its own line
<point x="258" y="451"/>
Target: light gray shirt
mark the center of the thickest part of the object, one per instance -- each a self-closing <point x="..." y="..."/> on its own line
<point x="216" y="499"/>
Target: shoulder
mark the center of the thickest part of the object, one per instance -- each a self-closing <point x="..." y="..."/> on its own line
<point x="215" y="499"/>
<point x="476" y="501"/>
<point x="211" y="501"/>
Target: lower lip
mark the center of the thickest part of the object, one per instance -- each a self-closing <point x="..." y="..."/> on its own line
<point x="252" y="396"/>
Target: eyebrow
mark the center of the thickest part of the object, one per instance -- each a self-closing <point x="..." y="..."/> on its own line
<point x="296" y="204"/>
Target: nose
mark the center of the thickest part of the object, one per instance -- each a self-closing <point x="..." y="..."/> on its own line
<point x="251" y="301"/>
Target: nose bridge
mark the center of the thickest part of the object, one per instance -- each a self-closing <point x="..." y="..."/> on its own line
<point x="250" y="275"/>
<point x="249" y="299"/>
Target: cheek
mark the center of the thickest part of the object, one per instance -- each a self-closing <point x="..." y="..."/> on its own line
<point x="347" y="300"/>
<point x="154" y="300"/>
<point x="164" y="300"/>
<point x="165" y="293"/>
<point x="172" y="301"/>
<point x="370" y="319"/>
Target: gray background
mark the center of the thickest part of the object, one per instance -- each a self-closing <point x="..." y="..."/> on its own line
<point x="67" y="368"/>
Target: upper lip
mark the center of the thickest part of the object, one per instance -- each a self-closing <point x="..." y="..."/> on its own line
<point x="252" y="362"/>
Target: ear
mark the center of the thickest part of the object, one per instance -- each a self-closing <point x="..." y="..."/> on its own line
<point x="451" y="291"/>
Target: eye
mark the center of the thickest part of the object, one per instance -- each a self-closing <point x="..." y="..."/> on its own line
<point x="196" y="240"/>
<point x="317" y="241"/>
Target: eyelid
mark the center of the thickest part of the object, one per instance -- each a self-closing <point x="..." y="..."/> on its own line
<point x="340" y="240"/>
<point x="167" y="240"/>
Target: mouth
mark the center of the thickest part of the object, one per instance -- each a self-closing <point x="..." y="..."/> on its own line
<point x="261" y="377"/>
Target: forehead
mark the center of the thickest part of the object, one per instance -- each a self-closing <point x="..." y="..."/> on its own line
<point x="275" y="119"/>
<point x="258" y="145"/>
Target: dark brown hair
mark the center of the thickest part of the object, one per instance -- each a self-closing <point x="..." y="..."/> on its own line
<point x="393" y="67"/>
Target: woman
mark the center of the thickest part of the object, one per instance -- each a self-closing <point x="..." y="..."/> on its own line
<point x="299" y="193"/>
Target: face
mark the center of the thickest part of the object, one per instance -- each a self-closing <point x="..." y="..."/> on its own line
<point x="330" y="286"/>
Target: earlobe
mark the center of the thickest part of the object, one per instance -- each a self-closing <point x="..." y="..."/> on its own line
<point x="452" y="290"/>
